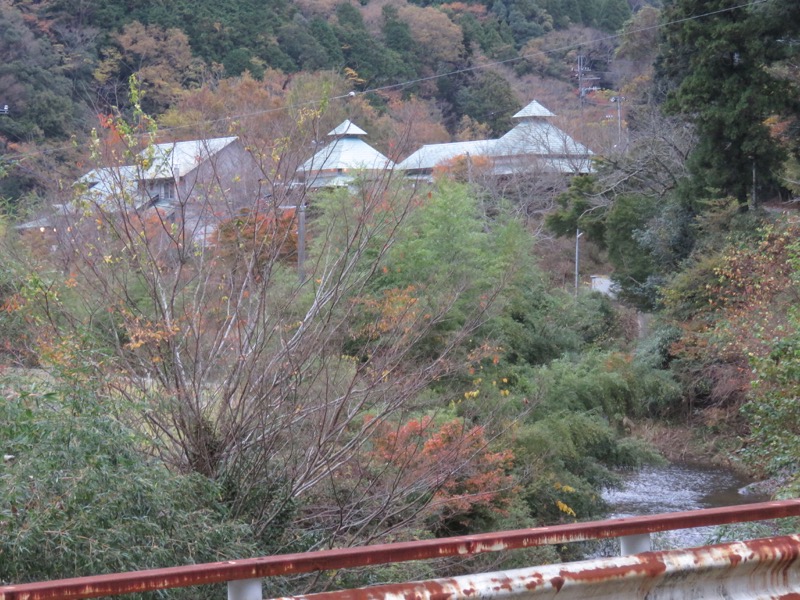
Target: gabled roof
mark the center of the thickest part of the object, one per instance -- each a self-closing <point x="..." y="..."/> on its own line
<point x="112" y="187"/>
<point x="431" y="155"/>
<point x="102" y="183"/>
<point x="107" y="186"/>
<point x="175" y="159"/>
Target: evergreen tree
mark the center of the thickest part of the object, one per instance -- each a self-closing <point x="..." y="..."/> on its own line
<point x="612" y="14"/>
<point x="716" y="58"/>
<point x="33" y="83"/>
<point x="396" y="33"/>
<point x="326" y="37"/>
<point x="298" y="40"/>
<point x="397" y="37"/>
<point x="371" y="62"/>
<point x="588" y="10"/>
<point x="489" y="99"/>
<point x="563" y="12"/>
<point x="240" y="60"/>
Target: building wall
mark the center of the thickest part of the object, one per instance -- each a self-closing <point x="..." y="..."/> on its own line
<point x="229" y="178"/>
<point x="218" y="189"/>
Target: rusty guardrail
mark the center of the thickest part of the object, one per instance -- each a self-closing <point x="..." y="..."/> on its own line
<point x="737" y="571"/>
<point x="244" y="575"/>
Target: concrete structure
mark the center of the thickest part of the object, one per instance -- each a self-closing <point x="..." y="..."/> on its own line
<point x="533" y="145"/>
<point x="604" y="285"/>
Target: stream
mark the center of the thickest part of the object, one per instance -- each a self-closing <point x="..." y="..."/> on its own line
<point x="678" y="487"/>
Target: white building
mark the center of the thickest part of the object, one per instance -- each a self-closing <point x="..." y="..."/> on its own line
<point x="346" y="157"/>
<point x="533" y="145"/>
<point x="198" y="183"/>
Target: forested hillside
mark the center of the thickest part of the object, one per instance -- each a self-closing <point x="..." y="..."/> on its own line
<point x="387" y="360"/>
<point x="65" y="63"/>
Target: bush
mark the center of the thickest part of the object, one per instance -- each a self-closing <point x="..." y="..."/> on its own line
<point x="609" y="382"/>
<point x="571" y="455"/>
<point x="80" y="498"/>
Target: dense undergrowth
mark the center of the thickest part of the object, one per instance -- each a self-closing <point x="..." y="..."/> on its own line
<point x="467" y="398"/>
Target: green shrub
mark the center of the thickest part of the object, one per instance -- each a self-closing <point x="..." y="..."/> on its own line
<point x="79" y="497"/>
<point x="653" y="352"/>
<point x="610" y="382"/>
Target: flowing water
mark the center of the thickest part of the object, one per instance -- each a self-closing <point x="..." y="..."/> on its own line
<point x="678" y="487"/>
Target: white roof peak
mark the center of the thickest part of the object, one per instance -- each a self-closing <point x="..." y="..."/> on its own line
<point x="534" y="109"/>
<point x="347" y="127"/>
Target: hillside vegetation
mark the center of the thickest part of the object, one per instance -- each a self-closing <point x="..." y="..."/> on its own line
<point x="67" y="63"/>
<point x="429" y="369"/>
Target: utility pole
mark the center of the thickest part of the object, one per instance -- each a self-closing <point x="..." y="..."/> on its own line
<point x="301" y="241"/>
<point x="578" y="234"/>
<point x="300" y="211"/>
<point x="583" y="70"/>
<point x="618" y="101"/>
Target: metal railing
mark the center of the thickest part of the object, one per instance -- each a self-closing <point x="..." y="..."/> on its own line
<point x="737" y="571"/>
<point x="244" y="576"/>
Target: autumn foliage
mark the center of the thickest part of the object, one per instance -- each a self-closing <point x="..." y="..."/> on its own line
<point x="257" y="239"/>
<point x="748" y="290"/>
<point x="464" y="168"/>
<point x="453" y="460"/>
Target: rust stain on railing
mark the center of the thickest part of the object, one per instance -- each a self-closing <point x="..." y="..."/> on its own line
<point x="254" y="568"/>
<point x="734" y="571"/>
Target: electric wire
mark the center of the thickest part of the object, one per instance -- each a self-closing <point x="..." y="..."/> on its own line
<point x="404" y="84"/>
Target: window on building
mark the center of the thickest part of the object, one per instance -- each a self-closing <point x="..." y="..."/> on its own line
<point x="168" y="190"/>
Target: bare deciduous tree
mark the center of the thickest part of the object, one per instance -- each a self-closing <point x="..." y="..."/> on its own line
<point x="245" y="371"/>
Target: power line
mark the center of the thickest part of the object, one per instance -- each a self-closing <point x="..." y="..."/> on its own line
<point x="410" y="82"/>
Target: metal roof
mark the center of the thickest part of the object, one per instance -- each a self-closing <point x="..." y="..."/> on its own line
<point x="528" y="164"/>
<point x="534" y="109"/>
<point x="175" y="159"/>
<point x="104" y="183"/>
<point x="540" y="138"/>
<point x="431" y="155"/>
<point x="347" y="153"/>
<point x="107" y="188"/>
<point x="111" y="187"/>
<point x="347" y="127"/>
<point x="533" y="136"/>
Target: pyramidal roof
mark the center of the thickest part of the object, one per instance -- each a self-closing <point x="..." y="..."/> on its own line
<point x="347" y="127"/>
<point x="534" y="109"/>
<point x="346" y="152"/>
<point x="533" y="137"/>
